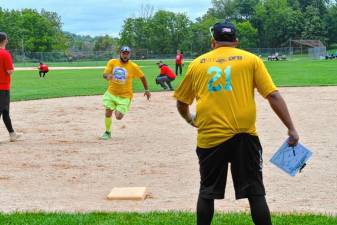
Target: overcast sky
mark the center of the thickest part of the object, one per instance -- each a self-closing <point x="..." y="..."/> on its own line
<point x="99" y="17"/>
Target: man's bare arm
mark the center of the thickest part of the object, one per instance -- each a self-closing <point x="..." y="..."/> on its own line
<point x="146" y="88"/>
<point x="184" y="111"/>
<point x="279" y="106"/>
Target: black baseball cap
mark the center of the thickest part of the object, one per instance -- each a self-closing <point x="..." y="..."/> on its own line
<point x="223" y="32"/>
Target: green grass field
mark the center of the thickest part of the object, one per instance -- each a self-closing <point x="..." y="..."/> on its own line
<point x="155" y="218"/>
<point x="26" y="85"/>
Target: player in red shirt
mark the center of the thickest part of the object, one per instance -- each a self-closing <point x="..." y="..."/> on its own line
<point x="6" y="69"/>
<point x="43" y="69"/>
<point x="166" y="76"/>
<point x="179" y="62"/>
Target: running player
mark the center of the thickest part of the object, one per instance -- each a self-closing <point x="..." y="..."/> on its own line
<point x="119" y="73"/>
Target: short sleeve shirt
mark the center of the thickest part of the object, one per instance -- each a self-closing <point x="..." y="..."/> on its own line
<point x="123" y="74"/>
<point x="6" y="63"/>
<point x="223" y="81"/>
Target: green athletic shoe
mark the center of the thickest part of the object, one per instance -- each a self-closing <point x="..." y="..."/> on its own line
<point x="106" y="135"/>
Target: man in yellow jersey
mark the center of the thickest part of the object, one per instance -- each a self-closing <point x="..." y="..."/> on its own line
<point x="120" y="73"/>
<point x="223" y="81"/>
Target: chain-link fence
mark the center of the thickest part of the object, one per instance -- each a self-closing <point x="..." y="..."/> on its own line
<point x="91" y="56"/>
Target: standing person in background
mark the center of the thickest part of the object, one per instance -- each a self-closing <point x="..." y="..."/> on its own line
<point x="43" y="69"/>
<point x="6" y="69"/>
<point x="166" y="76"/>
<point x="223" y="81"/>
<point x="120" y="74"/>
<point x="179" y="62"/>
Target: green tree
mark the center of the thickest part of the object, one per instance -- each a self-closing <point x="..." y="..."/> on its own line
<point x="331" y="24"/>
<point x="246" y="8"/>
<point x="11" y="23"/>
<point x="32" y="31"/>
<point x="276" y="22"/>
<point x="104" y="43"/>
<point x="127" y="35"/>
<point x="200" y="40"/>
<point x="162" y="31"/>
<point x="224" y="9"/>
<point x="314" y="26"/>
<point x="247" y="35"/>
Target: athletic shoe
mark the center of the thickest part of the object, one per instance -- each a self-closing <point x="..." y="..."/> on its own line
<point x="13" y="136"/>
<point x="106" y="135"/>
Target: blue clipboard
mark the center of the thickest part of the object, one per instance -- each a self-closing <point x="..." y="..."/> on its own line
<point x="291" y="159"/>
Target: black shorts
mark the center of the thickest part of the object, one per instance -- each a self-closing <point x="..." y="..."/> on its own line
<point x="4" y="100"/>
<point x="244" y="153"/>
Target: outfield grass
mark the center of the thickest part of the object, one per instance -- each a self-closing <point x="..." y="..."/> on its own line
<point x="303" y="72"/>
<point x="155" y="218"/>
<point x="26" y="85"/>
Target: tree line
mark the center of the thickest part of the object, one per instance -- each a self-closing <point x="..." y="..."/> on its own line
<point x="260" y="24"/>
<point x="32" y="31"/>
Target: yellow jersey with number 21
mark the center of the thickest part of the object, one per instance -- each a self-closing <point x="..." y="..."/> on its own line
<point x="222" y="81"/>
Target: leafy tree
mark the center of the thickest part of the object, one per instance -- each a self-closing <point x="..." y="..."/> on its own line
<point x="331" y="24"/>
<point x="127" y="35"/>
<point x="314" y="27"/>
<point x="200" y="40"/>
<point x="224" y="9"/>
<point x="246" y="8"/>
<point x="32" y="31"/>
<point x="104" y="43"/>
<point x="247" y="35"/>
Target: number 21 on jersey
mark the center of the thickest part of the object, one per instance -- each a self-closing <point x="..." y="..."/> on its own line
<point x="217" y="75"/>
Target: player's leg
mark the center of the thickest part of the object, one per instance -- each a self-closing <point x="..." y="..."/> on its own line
<point x="213" y="175"/>
<point x="44" y="74"/>
<point x="40" y="74"/>
<point x="119" y="115"/>
<point x="177" y="69"/>
<point x="246" y="168"/>
<point x="205" y="211"/>
<point x="7" y="121"/>
<point x="107" y="122"/>
<point x="161" y="80"/>
<point x="110" y="106"/>
<point x="4" y="109"/>
<point x="168" y="82"/>
<point x="259" y="210"/>
<point x="180" y="69"/>
<point x="122" y="107"/>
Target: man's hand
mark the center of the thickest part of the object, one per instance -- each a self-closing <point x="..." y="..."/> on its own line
<point x="147" y="94"/>
<point x="108" y="76"/>
<point x="293" y="137"/>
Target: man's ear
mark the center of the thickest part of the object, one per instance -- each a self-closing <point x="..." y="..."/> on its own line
<point x="213" y="43"/>
<point x="237" y="42"/>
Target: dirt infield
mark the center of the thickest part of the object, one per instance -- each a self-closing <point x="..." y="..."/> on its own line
<point x="61" y="165"/>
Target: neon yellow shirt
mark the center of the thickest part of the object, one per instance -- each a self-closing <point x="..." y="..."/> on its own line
<point x="123" y="74"/>
<point x="222" y="81"/>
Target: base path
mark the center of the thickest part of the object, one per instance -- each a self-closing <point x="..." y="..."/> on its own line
<point x="61" y="165"/>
